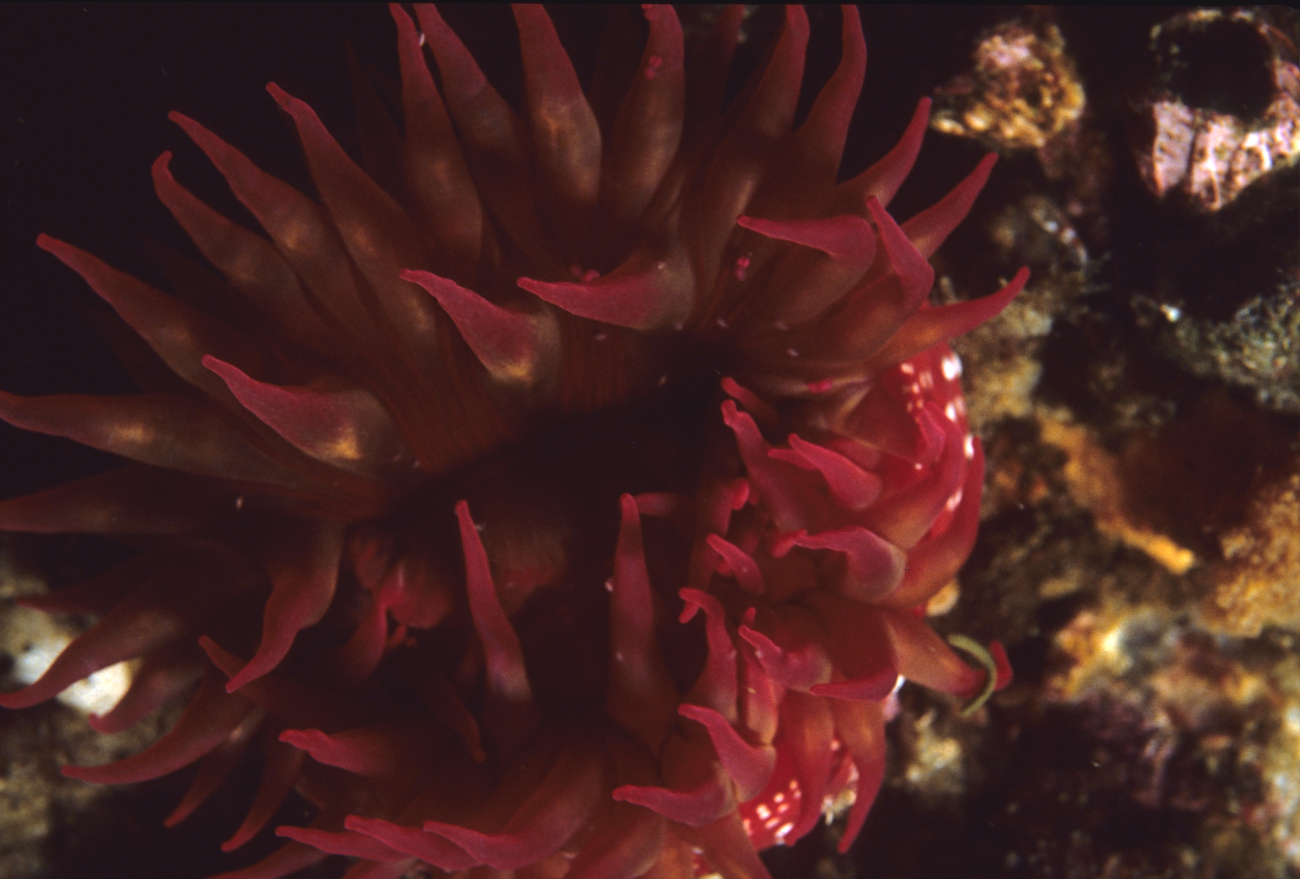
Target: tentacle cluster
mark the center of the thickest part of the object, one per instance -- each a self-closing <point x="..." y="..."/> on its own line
<point x="539" y="595"/>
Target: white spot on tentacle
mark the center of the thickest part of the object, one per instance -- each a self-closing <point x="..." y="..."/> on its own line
<point x="954" y="501"/>
<point x="951" y="366"/>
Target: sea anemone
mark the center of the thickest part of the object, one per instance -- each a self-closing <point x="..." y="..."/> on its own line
<point x="559" y="492"/>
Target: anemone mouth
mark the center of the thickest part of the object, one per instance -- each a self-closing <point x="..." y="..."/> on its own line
<point x="547" y="507"/>
<point x="576" y="577"/>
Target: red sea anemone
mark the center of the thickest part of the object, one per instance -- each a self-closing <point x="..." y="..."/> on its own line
<point x="554" y="496"/>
